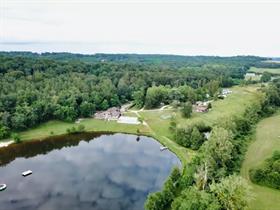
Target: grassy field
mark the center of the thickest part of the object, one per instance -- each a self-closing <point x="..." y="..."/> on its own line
<point x="234" y="104"/>
<point x="262" y="70"/>
<point x="58" y="128"/>
<point x="266" y="141"/>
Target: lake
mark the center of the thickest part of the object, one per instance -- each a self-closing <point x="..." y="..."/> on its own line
<point x="86" y="171"/>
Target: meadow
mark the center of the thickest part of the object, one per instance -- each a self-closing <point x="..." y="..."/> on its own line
<point x="274" y="71"/>
<point x="234" y="104"/>
<point x="58" y="127"/>
<point x="264" y="143"/>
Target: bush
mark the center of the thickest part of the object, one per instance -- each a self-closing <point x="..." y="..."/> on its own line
<point x="81" y="128"/>
<point x="4" y="132"/>
<point x="16" y="138"/>
<point x="191" y="136"/>
<point x="269" y="173"/>
<point x="73" y="130"/>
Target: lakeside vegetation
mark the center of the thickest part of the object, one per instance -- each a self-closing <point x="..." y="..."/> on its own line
<point x="54" y="93"/>
<point x="59" y="127"/>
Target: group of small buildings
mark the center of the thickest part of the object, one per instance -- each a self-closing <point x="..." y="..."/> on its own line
<point x="201" y="106"/>
<point x="112" y="113"/>
<point x="116" y="113"/>
<point x="224" y="93"/>
<point x="204" y="106"/>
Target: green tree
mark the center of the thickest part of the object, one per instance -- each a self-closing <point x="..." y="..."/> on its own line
<point x="87" y="109"/>
<point x="196" y="138"/>
<point x="186" y="110"/>
<point x="104" y="104"/>
<point x="233" y="192"/>
<point x="138" y="98"/>
<point x="16" y="138"/>
<point x="154" y="202"/>
<point x="266" y="77"/>
<point x="218" y="152"/>
<point x="193" y="199"/>
<point x="156" y="95"/>
<point x="4" y="131"/>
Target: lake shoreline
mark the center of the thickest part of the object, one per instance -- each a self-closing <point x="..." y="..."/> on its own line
<point x="106" y="132"/>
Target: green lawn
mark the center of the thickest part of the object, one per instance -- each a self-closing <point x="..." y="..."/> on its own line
<point x="262" y="70"/>
<point x="266" y="141"/>
<point x="58" y="127"/>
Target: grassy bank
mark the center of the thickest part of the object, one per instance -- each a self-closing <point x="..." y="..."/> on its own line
<point x="265" y="142"/>
<point x="58" y="128"/>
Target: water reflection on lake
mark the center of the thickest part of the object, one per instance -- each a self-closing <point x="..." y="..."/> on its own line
<point x="111" y="172"/>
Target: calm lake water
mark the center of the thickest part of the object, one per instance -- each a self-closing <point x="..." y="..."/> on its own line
<point x="105" y="172"/>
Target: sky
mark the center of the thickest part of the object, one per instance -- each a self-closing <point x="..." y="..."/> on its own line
<point x="157" y="26"/>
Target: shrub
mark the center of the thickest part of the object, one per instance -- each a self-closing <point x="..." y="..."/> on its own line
<point x="16" y="138"/>
<point x="269" y="173"/>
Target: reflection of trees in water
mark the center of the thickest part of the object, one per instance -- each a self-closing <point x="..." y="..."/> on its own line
<point x="32" y="148"/>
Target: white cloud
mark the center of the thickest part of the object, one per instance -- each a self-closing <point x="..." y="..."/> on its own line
<point x="178" y="28"/>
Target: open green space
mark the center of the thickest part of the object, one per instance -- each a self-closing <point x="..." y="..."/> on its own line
<point x="59" y="127"/>
<point x="266" y="141"/>
<point x="262" y="70"/>
<point x="234" y="104"/>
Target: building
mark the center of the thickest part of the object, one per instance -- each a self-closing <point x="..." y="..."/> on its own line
<point x="201" y="106"/>
<point x="110" y="114"/>
<point x="201" y="109"/>
<point x="226" y="92"/>
<point x="129" y="120"/>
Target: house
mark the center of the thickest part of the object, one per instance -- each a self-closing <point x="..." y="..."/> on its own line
<point x="110" y="114"/>
<point x="250" y="74"/>
<point x="226" y="92"/>
<point x="202" y="106"/>
<point x="201" y="109"/>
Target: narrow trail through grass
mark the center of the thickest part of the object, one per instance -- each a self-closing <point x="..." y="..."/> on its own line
<point x="266" y="141"/>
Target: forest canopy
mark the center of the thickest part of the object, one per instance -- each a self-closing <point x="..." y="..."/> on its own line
<point x="35" y="87"/>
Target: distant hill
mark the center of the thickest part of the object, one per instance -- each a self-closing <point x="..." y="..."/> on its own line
<point x="158" y="59"/>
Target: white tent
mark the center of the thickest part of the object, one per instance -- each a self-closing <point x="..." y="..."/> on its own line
<point x="128" y="120"/>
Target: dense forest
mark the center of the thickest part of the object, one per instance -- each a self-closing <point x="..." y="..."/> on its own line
<point x="35" y="87"/>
